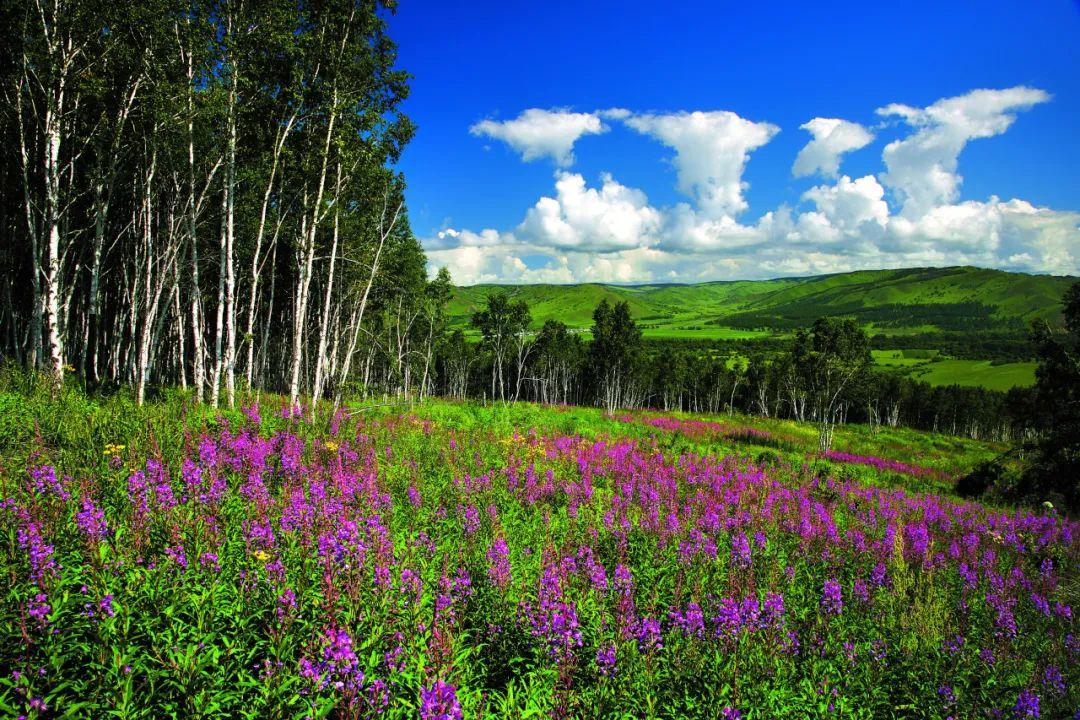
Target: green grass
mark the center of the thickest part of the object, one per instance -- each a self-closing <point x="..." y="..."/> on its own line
<point x="898" y="359"/>
<point x="928" y="366"/>
<point x="1009" y="300"/>
<point x="977" y="373"/>
<point x="694" y="332"/>
<point x="239" y="552"/>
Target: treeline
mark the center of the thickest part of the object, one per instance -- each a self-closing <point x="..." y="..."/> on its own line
<point x="948" y="317"/>
<point x="202" y="194"/>
<point x="825" y="374"/>
<point x="996" y="346"/>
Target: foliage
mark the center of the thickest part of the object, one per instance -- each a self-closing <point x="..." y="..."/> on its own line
<point x="929" y="304"/>
<point x="613" y="354"/>
<point x="502" y="324"/>
<point x="1055" y="471"/>
<point x="468" y="561"/>
<point x="195" y="191"/>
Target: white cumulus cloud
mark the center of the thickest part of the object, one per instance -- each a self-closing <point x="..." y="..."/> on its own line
<point x="832" y="138"/>
<point x="849" y="204"/>
<point x="711" y="150"/>
<point x="922" y="168"/>
<point x="537" y="133"/>
<point x="610" y="232"/>
<point x="610" y="218"/>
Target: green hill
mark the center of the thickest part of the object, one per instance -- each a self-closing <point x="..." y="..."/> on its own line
<point x="887" y="302"/>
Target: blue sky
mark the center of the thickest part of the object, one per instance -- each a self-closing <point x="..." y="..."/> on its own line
<point x="656" y="193"/>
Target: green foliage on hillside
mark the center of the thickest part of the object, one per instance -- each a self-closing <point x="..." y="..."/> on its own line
<point x="958" y="299"/>
<point x="458" y="560"/>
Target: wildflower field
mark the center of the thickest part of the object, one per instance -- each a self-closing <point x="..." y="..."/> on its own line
<point x="452" y="560"/>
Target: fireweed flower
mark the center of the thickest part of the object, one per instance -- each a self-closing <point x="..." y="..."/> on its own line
<point x="605" y="660"/>
<point x="831" y="598"/>
<point x="38" y="608"/>
<point x="470" y="518"/>
<point x="860" y="591"/>
<point x="773" y="610"/>
<point x="994" y="578"/>
<point x="728" y="620"/>
<point x="498" y="557"/>
<point x="740" y="550"/>
<point x="750" y="612"/>
<point x="1027" y="705"/>
<point x="39" y="552"/>
<point x="691" y="622"/>
<point x="286" y="604"/>
<point x="105" y="606"/>
<point x="439" y="702"/>
<point x="91" y="521"/>
<point x="177" y="555"/>
<point x="953" y="644"/>
<point x="598" y="577"/>
<point x="252" y="413"/>
<point x="337" y="666"/>
<point x="46" y="482"/>
<point x="1053" y="680"/>
<point x="648" y="635"/>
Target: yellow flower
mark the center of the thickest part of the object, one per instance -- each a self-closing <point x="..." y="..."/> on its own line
<point x="330" y="445"/>
<point x="113" y="449"/>
<point x="261" y="555"/>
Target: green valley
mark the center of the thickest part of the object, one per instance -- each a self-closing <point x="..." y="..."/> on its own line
<point x="956" y="325"/>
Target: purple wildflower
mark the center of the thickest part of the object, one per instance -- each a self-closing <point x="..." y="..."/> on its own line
<point x="439" y="702"/>
<point x="1027" y="705"/>
<point x="605" y="660"/>
<point x="832" y="602"/>
<point x="499" y="568"/>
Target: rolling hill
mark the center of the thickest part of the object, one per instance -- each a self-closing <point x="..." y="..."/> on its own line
<point x="887" y="302"/>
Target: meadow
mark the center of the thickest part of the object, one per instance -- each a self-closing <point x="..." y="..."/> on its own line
<point x="889" y="301"/>
<point x="449" y="560"/>
<point x="937" y="370"/>
<point x="941" y="307"/>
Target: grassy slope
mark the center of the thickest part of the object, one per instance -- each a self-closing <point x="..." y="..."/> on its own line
<point x="699" y="311"/>
<point x="977" y="373"/>
<point x="29" y="418"/>
<point x="674" y="307"/>
<point x="927" y="367"/>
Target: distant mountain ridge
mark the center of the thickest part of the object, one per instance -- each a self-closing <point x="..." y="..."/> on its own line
<point x="887" y="301"/>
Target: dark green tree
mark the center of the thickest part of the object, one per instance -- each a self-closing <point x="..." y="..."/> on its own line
<point x="1054" y="475"/>
<point x="614" y="354"/>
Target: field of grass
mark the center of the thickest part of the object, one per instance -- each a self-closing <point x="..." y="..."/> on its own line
<point x="898" y="359"/>
<point x="936" y="370"/>
<point x="917" y="300"/>
<point x="687" y="330"/>
<point x="450" y="560"/>
<point x="942" y="302"/>
<point x="977" y="373"/>
<point x="671" y="330"/>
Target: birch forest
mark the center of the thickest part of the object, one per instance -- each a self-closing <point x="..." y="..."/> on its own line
<point x="202" y="194"/>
